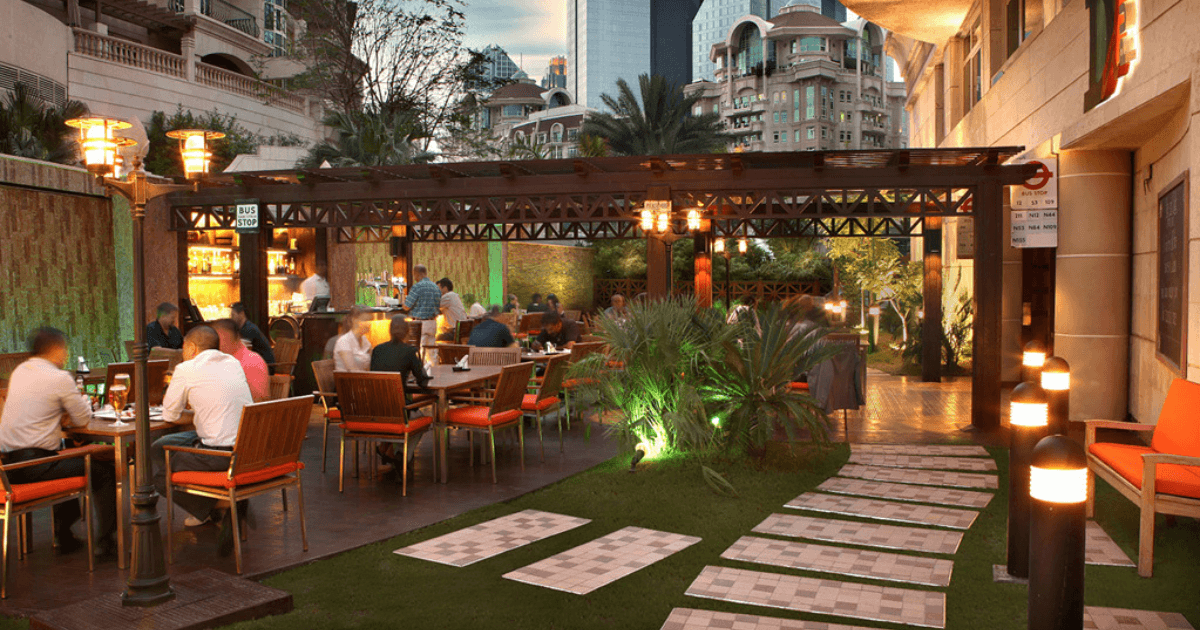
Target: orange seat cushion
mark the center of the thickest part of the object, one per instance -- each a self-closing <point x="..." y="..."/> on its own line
<point x="414" y="424"/>
<point x="25" y="492"/>
<point x="572" y="383"/>
<point x="1126" y="459"/>
<point x="530" y="403"/>
<point x="478" y="416"/>
<point x="334" y="414"/>
<point x="799" y="386"/>
<point x="616" y="365"/>
<point x="1178" y="428"/>
<point x="220" y="479"/>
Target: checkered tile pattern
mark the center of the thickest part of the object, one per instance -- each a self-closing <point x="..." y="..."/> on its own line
<point x="1101" y="549"/>
<point x="875" y="565"/>
<point x="822" y="597"/>
<point x="921" y="477"/>
<point x="491" y="538"/>
<point x="905" y="492"/>
<point x="934" y="450"/>
<point x="920" y="461"/>
<point x="692" y="619"/>
<point x="866" y="534"/>
<point x="1097" y="618"/>
<point x="605" y="560"/>
<point x="884" y="510"/>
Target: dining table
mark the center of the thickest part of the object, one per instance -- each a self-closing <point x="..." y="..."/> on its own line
<point x="445" y="380"/>
<point x="103" y="428"/>
<point x="543" y="356"/>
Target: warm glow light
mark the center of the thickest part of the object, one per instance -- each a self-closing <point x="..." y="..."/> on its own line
<point x="693" y="220"/>
<point x="99" y="143"/>
<point x="743" y="245"/>
<point x="647" y="220"/>
<point x="920" y="313"/>
<point x="874" y="310"/>
<point x="1029" y="414"/>
<point x="829" y="306"/>
<point x="664" y="222"/>
<point x="194" y="149"/>
<point x="1056" y="381"/>
<point x="719" y="246"/>
<point x="1033" y="359"/>
<point x="1055" y="485"/>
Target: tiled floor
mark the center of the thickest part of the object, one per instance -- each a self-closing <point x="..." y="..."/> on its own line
<point x="933" y="450"/>
<point x="922" y="461"/>
<point x="491" y="538"/>
<point x="823" y="597"/>
<point x="877" y="565"/>
<point x="1097" y="618"/>
<point x="865" y="534"/>
<point x="1100" y="548"/>
<point x="590" y="566"/>
<point x="693" y="619"/>
<point x="884" y="510"/>
<point x="905" y="492"/>
<point x="921" y="477"/>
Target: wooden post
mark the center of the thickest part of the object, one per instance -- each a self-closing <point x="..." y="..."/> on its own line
<point x="989" y="283"/>
<point x="658" y="268"/>
<point x="255" y="275"/>
<point x="703" y="268"/>
<point x="931" y="327"/>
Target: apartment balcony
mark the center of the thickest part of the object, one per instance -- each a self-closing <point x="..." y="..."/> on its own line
<point x="222" y="11"/>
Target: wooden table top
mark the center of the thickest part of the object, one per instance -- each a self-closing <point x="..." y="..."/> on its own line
<point x="542" y="356"/>
<point x="107" y="428"/>
<point x="444" y="377"/>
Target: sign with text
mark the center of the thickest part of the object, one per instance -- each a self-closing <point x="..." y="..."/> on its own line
<point x="1034" y="228"/>
<point x="1039" y="191"/>
<point x="965" y="231"/>
<point x="246" y="219"/>
<point x="1172" y="274"/>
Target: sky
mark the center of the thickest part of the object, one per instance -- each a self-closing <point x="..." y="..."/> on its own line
<point x="533" y="28"/>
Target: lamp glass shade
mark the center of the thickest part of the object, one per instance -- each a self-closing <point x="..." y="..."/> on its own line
<point x="664" y="222"/>
<point x="647" y="220"/>
<point x="1035" y="414"/>
<point x="1056" y="381"/>
<point x="719" y="246"/>
<point x="195" y="156"/>
<point x="99" y="143"/>
<point x="829" y="306"/>
<point x="693" y="220"/>
<point x="743" y="245"/>
<point x="1058" y="485"/>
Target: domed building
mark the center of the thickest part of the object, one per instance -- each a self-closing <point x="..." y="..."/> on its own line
<point x="524" y="113"/>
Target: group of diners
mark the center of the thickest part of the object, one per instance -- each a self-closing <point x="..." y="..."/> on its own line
<point x="163" y="332"/>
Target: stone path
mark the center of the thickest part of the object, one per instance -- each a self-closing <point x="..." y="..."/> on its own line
<point x="1102" y="550"/>
<point x="491" y="538"/>
<point x="919" y="461"/>
<point x="905" y="492"/>
<point x="1099" y="618"/>
<point x="884" y="510"/>
<point x="865" y="534"/>
<point x="693" y="619"/>
<point x="935" y="450"/>
<point x="878" y="565"/>
<point x="921" y="477"/>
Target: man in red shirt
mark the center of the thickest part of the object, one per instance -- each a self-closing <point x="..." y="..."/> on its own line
<point x="252" y="364"/>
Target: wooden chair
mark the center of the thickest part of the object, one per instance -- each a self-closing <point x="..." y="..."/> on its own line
<point x="578" y="352"/>
<point x="286" y="353"/>
<point x="449" y="353"/>
<point x="129" y="349"/>
<point x="156" y="376"/>
<point x="9" y="362"/>
<point x="509" y="319"/>
<point x="547" y="398"/>
<point x="280" y="384"/>
<point x="327" y="394"/>
<point x="265" y="457"/>
<point x="21" y="499"/>
<point x="494" y="356"/>
<point x="412" y="336"/>
<point x="462" y="330"/>
<point x="530" y="323"/>
<point x="501" y="411"/>
<point x="1163" y="478"/>
<point x="574" y="316"/>
<point x="172" y="357"/>
<point x="374" y="409"/>
<point x="3" y="397"/>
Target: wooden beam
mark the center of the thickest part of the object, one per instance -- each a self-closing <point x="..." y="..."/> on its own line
<point x="989" y="283"/>
<point x="703" y="268"/>
<point x="931" y="327"/>
<point x="658" y="268"/>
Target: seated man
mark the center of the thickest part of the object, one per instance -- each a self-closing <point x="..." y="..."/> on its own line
<point x="247" y="330"/>
<point x="535" y="304"/>
<point x="619" y="310"/>
<point x="41" y="399"/>
<point x="558" y="331"/>
<point x="162" y="333"/>
<point x="257" y="376"/>
<point x="490" y="333"/>
<point x="397" y="356"/>
<point x="214" y="384"/>
<point x="352" y="353"/>
<point x="513" y="304"/>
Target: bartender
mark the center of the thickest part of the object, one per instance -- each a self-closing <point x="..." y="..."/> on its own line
<point x="316" y="285"/>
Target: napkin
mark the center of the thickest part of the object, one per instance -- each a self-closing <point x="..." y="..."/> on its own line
<point x="549" y="348"/>
<point x="462" y="363"/>
<point x="428" y="368"/>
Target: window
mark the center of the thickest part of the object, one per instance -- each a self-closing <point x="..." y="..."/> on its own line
<point x="716" y="108"/>
<point x="698" y="110"/>
<point x="810" y="133"/>
<point x="1108" y="60"/>
<point x="776" y="138"/>
<point x="812" y="44"/>
<point x="797" y="135"/>
<point x="972" y="68"/>
<point x="749" y="49"/>
<point x="810" y="102"/>
<point x="511" y="110"/>
<point x="824" y="133"/>
<point x="572" y="135"/>
<point x="776" y="118"/>
<point x="556" y="133"/>
<point x="793" y="46"/>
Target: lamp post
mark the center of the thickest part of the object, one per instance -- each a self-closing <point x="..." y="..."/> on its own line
<point x="874" y="311"/>
<point x="1056" y="380"/>
<point x="1028" y="418"/>
<point x="148" y="583"/>
<point x="1033" y="357"/>
<point x="1058" y="493"/>
<point x="720" y="248"/>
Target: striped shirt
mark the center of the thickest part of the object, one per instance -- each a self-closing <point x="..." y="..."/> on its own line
<point x="425" y="300"/>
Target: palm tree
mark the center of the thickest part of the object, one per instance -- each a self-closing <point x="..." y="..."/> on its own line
<point x="28" y="128"/>
<point x="660" y="123"/>
<point x="370" y="138"/>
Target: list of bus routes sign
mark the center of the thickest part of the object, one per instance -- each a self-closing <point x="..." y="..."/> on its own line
<point x="247" y="216"/>
<point x="1035" y="228"/>
<point x="1041" y="190"/>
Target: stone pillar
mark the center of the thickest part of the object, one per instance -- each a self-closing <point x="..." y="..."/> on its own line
<point x="187" y="48"/>
<point x="1092" y="297"/>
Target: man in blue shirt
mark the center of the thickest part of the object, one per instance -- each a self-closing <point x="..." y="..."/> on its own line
<point x="424" y="303"/>
<point x="490" y="333"/>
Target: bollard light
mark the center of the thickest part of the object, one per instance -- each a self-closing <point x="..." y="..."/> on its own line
<point x="1032" y="358"/>
<point x="1056" y="380"/>
<point x="1058" y="493"/>
<point x="1028" y="417"/>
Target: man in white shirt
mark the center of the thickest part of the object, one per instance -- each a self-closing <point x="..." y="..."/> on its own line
<point x="352" y="353"/>
<point x="42" y="398"/>
<point x="451" y="308"/>
<point x="316" y="285"/>
<point x="214" y="384"/>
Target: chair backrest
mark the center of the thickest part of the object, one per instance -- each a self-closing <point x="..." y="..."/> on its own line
<point x="581" y="350"/>
<point x="129" y="349"/>
<point x="371" y="397"/>
<point x="556" y="371"/>
<point x="509" y="319"/>
<point x="531" y="322"/>
<point x="173" y="357"/>
<point x="1178" y="427"/>
<point x="270" y="434"/>
<point x="572" y="315"/>
<point x="449" y="353"/>
<point x="323" y="375"/>
<point x="462" y="330"/>
<point x="156" y="376"/>
<point x="9" y="362"/>
<point x="494" y="356"/>
<point x="286" y="352"/>
<point x="412" y="336"/>
<point x="280" y="384"/>
<point x="511" y="386"/>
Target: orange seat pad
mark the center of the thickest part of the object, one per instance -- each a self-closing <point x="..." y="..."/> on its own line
<point x="530" y="403"/>
<point x="220" y="479"/>
<point x="334" y="414"/>
<point x="478" y="416"/>
<point x="398" y="428"/>
<point x="799" y="386"/>
<point x="1126" y="460"/>
<point x="25" y="492"/>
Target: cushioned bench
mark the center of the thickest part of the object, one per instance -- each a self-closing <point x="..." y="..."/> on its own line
<point x="1163" y="478"/>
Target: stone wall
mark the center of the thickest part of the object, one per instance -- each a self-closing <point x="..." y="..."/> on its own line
<point x="563" y="270"/>
<point x="466" y="264"/>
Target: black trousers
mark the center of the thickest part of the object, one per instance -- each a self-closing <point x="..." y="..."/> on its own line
<point x="197" y="506"/>
<point x="104" y="487"/>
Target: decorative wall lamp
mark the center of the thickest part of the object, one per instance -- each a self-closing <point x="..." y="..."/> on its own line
<point x="1058" y="482"/>
<point x="1028" y="417"/>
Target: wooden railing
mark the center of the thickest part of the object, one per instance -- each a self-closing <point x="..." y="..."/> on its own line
<point x="128" y="53"/>
<point x="760" y="291"/>
<point x="248" y="86"/>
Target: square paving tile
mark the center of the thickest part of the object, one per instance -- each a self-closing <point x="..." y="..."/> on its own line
<point x="589" y="566"/>
<point x="921" y="461"/>
<point x="866" y="534"/>
<point x="884" y="510"/>
<point x="921" y="477"/>
<point x="936" y="450"/>
<point x="1101" y="549"/>
<point x="491" y="538"/>
<point x="906" y="492"/>
<point x="823" y="597"/>
<point x="694" y="619"/>
<point x="1098" y="618"/>
<point x="862" y="563"/>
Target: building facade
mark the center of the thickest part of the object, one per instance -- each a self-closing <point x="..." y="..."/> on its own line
<point x="530" y="121"/>
<point x="556" y="73"/>
<point x="804" y="82"/>
<point x="498" y="65"/>
<point x="715" y="17"/>
<point x="1107" y="92"/>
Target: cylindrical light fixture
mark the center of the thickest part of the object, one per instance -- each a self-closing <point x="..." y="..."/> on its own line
<point x="693" y="220"/>
<point x="1056" y="380"/>
<point x="743" y="245"/>
<point x="663" y="222"/>
<point x="1028" y="417"/>
<point x="193" y="146"/>
<point x="719" y="246"/>
<point x="99" y="143"/>
<point x="1058" y="491"/>
<point x="647" y="220"/>
<point x="1032" y="359"/>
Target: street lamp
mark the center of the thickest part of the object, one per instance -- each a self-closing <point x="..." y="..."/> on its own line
<point x="1028" y="417"/>
<point x="1056" y="380"/>
<point x="1058" y="488"/>
<point x="148" y="583"/>
<point x="874" y="311"/>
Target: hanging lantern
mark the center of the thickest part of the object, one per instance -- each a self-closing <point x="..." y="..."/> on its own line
<point x="693" y="220"/>
<point x="647" y="220"/>
<point x="719" y="246"/>
<point x="99" y="143"/>
<point x="193" y="146"/>
<point x="743" y="245"/>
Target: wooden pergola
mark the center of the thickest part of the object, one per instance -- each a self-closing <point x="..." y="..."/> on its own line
<point x="889" y="193"/>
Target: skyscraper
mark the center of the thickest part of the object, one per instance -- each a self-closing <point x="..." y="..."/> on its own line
<point x="499" y="66"/>
<point x="556" y="73"/>
<point x="715" y="17"/>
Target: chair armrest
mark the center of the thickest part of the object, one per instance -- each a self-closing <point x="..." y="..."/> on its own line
<point x="469" y="399"/>
<point x="1089" y="431"/>
<point x="1170" y="458"/>
<point x="325" y="394"/>
<point x="198" y="451"/>
<point x="67" y="453"/>
<point x="420" y="404"/>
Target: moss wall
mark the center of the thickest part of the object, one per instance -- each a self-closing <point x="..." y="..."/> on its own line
<point x="563" y="270"/>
